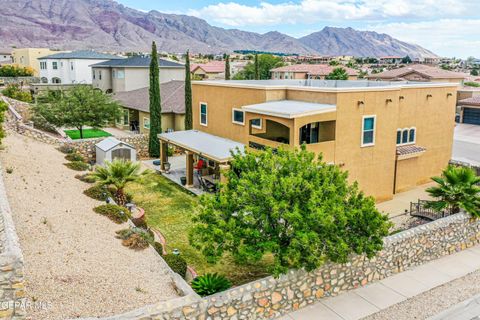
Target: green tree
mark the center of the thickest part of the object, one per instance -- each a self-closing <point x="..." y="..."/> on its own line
<point x="227" y="67"/>
<point x="474" y="72"/>
<point x="117" y="174"/>
<point x="15" y="71"/>
<point x="265" y="62"/>
<point x="457" y="188"/>
<point x="334" y="63"/>
<point x="14" y="91"/>
<point x="291" y="205"/>
<point x="79" y="107"/>
<point x="188" y="94"/>
<point x="3" y="108"/>
<point x="406" y="60"/>
<point x="257" y="67"/>
<point x="155" y="105"/>
<point x="337" y="74"/>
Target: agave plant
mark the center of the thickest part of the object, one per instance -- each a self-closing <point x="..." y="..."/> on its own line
<point x="457" y="188"/>
<point x="210" y="283"/>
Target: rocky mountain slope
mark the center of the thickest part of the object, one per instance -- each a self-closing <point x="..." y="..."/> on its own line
<point x="108" y="25"/>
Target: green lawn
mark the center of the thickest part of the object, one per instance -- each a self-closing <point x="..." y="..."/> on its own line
<point x="170" y="209"/>
<point x="87" y="133"/>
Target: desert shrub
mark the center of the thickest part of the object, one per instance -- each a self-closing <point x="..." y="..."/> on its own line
<point x="140" y="223"/>
<point x="77" y="165"/>
<point x="85" y="178"/>
<point x="116" y="213"/>
<point x="158" y="247"/>
<point x="98" y="192"/>
<point x="209" y="284"/>
<point x="40" y="123"/>
<point x="65" y="148"/>
<point x="15" y="92"/>
<point x="177" y="263"/>
<point x="15" y="71"/>
<point x="135" y="238"/>
<point x="74" y="156"/>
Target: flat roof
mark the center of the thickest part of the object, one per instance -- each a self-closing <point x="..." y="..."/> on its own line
<point x="289" y="109"/>
<point x="208" y="145"/>
<point x="325" y="85"/>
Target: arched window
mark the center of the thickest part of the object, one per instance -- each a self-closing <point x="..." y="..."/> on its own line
<point x="56" y="80"/>
<point x="399" y="136"/>
<point x="411" y="135"/>
<point x="44" y="80"/>
<point x="405" y="136"/>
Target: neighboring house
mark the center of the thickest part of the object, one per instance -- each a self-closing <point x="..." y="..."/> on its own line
<point x="6" y="56"/>
<point x="419" y="72"/>
<point x="308" y="71"/>
<point x="28" y="58"/>
<point x="390" y="137"/>
<point x="390" y="60"/>
<point x="213" y="70"/>
<point x="136" y="103"/>
<point x="133" y="73"/>
<point x="470" y="110"/>
<point x="71" y="67"/>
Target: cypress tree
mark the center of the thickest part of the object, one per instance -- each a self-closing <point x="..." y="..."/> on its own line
<point x="188" y="94"/>
<point x="155" y="105"/>
<point x="257" y="67"/>
<point x="227" y="67"/>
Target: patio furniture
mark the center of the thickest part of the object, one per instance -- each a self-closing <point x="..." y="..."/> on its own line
<point x="207" y="185"/>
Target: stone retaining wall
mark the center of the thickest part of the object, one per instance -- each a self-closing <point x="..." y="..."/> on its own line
<point x="269" y="297"/>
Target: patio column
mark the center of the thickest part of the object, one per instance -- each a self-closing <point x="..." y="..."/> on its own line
<point x="163" y="154"/>
<point x="223" y="167"/>
<point x="189" y="171"/>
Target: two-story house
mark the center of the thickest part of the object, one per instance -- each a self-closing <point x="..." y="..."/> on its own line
<point x="71" y="67"/>
<point x="28" y="58"/>
<point x="308" y="71"/>
<point x="389" y="136"/>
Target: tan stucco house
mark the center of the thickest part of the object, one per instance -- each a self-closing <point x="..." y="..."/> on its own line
<point x="28" y="57"/>
<point x="390" y="137"/>
<point x="309" y="71"/>
<point x="470" y="110"/>
<point x="213" y="70"/>
<point x="136" y="103"/>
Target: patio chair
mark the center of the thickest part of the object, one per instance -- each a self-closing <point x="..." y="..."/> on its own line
<point x="207" y="185"/>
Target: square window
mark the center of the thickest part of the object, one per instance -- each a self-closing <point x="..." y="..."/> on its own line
<point x="238" y="116"/>
<point x="256" y="123"/>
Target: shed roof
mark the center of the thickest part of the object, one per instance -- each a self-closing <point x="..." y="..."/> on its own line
<point x="111" y="142"/>
<point x="82" y="54"/>
<point x="213" y="147"/>
<point x="289" y="109"/>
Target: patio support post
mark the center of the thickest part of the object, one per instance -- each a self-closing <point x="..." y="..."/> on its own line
<point x="163" y="154"/>
<point x="189" y="168"/>
<point x="223" y="168"/>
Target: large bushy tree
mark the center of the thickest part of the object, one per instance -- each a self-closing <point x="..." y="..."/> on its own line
<point x="289" y="204"/>
<point x="188" y="94"/>
<point x="155" y="105"/>
<point x="78" y="107"/>
<point x="337" y="74"/>
<point x="264" y="63"/>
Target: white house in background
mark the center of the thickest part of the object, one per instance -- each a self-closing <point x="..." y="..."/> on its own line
<point x="71" y="67"/>
<point x="6" y="56"/>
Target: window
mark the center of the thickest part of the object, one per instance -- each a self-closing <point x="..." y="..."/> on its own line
<point x="411" y="135"/>
<point x="93" y="74"/>
<point x="256" y="123"/>
<point x="203" y="114"/>
<point x="368" y="131"/>
<point x="114" y="74"/>
<point x="54" y="65"/>
<point x="399" y="136"/>
<point x="71" y="65"/>
<point x="316" y="132"/>
<point x="99" y="74"/>
<point x="126" y="117"/>
<point x="406" y="136"/>
<point x="146" y="123"/>
<point x="120" y="74"/>
<point x="238" y="116"/>
<point x="43" y="65"/>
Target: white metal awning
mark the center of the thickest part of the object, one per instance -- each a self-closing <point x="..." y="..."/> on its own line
<point x="289" y="109"/>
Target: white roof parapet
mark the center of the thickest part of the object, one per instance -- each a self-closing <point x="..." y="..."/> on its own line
<point x="208" y="145"/>
<point x="289" y="109"/>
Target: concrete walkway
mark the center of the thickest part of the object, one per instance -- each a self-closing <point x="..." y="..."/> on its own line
<point x="362" y="302"/>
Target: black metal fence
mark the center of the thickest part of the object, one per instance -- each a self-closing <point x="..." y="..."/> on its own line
<point x="421" y="209"/>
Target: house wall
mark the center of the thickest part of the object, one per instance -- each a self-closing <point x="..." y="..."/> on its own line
<point x="171" y="121"/>
<point x="28" y="57"/>
<point x="373" y="167"/>
<point x="69" y="70"/>
<point x="105" y="83"/>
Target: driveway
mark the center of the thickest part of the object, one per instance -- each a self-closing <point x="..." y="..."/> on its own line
<point x="466" y="144"/>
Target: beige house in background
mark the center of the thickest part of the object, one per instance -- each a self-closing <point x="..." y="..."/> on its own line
<point x="28" y="57"/>
<point x="421" y="73"/>
<point x="136" y="103"/>
<point x="389" y="137"/>
<point x="133" y="73"/>
<point x="308" y="71"/>
<point x="213" y="70"/>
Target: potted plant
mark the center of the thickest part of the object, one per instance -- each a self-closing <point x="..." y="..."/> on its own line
<point x="166" y="166"/>
<point x="183" y="180"/>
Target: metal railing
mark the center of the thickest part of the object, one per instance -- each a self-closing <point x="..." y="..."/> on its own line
<point x="421" y="210"/>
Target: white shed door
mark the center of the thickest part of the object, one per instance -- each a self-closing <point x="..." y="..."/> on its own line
<point x="123" y="153"/>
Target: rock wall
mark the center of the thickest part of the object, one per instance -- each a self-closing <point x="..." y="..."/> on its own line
<point x="269" y="297"/>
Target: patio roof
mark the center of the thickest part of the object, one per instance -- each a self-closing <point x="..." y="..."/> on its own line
<point x="289" y="109"/>
<point x="204" y="144"/>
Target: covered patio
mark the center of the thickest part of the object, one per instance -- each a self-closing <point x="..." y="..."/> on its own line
<point x="206" y="158"/>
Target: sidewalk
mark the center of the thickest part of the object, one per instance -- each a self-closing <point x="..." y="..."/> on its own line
<point x="362" y="302"/>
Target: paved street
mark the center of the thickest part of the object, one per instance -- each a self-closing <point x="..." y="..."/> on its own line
<point x="466" y="145"/>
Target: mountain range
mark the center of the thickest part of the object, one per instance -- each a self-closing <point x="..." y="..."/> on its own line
<point x="108" y="25"/>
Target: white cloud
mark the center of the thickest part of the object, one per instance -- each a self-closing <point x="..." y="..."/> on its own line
<point x="312" y="11"/>
<point x="446" y="37"/>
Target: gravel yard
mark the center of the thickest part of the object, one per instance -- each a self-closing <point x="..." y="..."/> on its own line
<point x="73" y="262"/>
<point x="434" y="301"/>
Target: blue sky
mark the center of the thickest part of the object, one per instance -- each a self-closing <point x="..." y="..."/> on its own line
<point x="447" y="27"/>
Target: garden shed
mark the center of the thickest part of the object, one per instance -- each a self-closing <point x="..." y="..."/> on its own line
<point x="111" y="149"/>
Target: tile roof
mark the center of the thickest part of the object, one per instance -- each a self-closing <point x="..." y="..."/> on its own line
<point x="172" y="95"/>
<point x="210" y="67"/>
<point x="427" y="71"/>
<point x="473" y="101"/>
<point x="313" y="69"/>
<point x="81" y="54"/>
<point x="139" y="61"/>
<point x="409" y="149"/>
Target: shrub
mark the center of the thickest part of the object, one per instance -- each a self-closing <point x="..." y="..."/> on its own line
<point x="77" y="165"/>
<point x="140" y="223"/>
<point x="40" y="123"/>
<point x="135" y="238"/>
<point x="15" y="71"/>
<point x="97" y="192"/>
<point x="472" y="84"/>
<point x="177" y="263"/>
<point x="210" y="283"/>
<point x="158" y="247"/>
<point x="66" y="149"/>
<point x="15" y="92"/>
<point x="85" y="178"/>
<point x="74" y="157"/>
<point x="116" y="213"/>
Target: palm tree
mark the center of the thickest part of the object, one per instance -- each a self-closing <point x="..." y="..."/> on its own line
<point x="458" y="188"/>
<point x="117" y="174"/>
